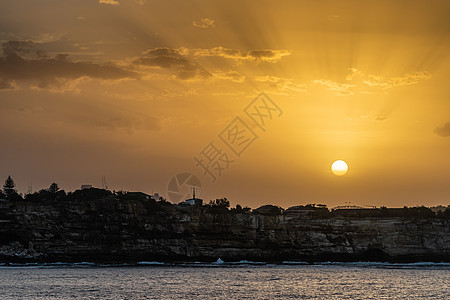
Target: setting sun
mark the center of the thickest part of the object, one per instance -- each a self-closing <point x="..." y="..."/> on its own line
<point x="339" y="168"/>
<point x="171" y="135"/>
<point x="236" y="93"/>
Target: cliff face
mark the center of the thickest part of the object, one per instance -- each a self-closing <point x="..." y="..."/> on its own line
<point x="109" y="229"/>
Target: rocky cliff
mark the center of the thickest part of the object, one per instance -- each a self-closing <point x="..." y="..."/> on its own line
<point x="114" y="229"/>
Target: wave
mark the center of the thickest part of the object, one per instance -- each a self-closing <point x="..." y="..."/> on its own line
<point x="150" y="263"/>
<point x="58" y="265"/>
<point x="295" y="263"/>
<point x="386" y="265"/>
<point x="231" y="264"/>
<point x="241" y="262"/>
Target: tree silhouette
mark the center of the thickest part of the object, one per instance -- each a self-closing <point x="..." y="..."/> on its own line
<point x="8" y="187"/>
<point x="53" y="188"/>
<point x="222" y="202"/>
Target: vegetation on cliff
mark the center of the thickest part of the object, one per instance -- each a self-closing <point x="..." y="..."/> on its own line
<point x="221" y="205"/>
<point x="100" y="225"/>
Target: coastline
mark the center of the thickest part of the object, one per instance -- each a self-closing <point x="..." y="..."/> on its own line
<point x="101" y="227"/>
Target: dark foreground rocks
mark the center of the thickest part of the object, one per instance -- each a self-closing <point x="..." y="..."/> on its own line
<point x="116" y="229"/>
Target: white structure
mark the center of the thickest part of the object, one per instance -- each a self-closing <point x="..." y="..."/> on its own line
<point x="193" y="200"/>
<point x="86" y="186"/>
<point x="155" y="196"/>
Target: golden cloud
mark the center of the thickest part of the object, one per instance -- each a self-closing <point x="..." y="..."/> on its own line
<point x="282" y="86"/>
<point x="268" y="55"/>
<point x="358" y="81"/>
<point x="109" y="2"/>
<point x="204" y="23"/>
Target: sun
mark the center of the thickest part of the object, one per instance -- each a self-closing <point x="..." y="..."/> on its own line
<point x="339" y="168"/>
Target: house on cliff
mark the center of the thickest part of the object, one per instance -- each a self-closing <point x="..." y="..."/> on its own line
<point x="4" y="203"/>
<point x="139" y="195"/>
<point x="194" y="201"/>
<point x="269" y="210"/>
<point x="144" y="196"/>
<point x="299" y="211"/>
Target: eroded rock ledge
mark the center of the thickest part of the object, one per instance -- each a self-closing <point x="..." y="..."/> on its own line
<point x="120" y="229"/>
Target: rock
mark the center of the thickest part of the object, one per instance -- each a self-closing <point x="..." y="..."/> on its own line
<point x="110" y="229"/>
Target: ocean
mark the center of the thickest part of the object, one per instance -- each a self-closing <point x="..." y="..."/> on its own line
<point x="243" y="280"/>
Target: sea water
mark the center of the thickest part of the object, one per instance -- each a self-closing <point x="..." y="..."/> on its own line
<point x="220" y="280"/>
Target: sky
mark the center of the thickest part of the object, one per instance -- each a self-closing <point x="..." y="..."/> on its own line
<point x="248" y="100"/>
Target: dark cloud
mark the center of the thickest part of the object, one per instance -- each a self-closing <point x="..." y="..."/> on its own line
<point x="443" y="130"/>
<point x="182" y="60"/>
<point x="262" y="54"/>
<point x="21" y="61"/>
<point x="15" y="47"/>
<point x="4" y="85"/>
<point x="173" y="59"/>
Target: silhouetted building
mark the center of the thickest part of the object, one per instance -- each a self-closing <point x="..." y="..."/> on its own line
<point x="299" y="211"/>
<point x="193" y="200"/>
<point x="271" y="210"/>
<point x="155" y="196"/>
<point x="139" y="195"/>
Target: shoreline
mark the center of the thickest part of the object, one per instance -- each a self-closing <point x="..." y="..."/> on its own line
<point x="238" y="264"/>
<point x="103" y="227"/>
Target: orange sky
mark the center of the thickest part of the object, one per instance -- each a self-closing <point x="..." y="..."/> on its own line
<point x="134" y="90"/>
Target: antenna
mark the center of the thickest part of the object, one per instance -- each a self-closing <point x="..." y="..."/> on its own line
<point x="30" y="188"/>
<point x="104" y="185"/>
<point x="193" y="192"/>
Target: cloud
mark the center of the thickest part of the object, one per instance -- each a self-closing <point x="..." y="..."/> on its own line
<point x="410" y="78"/>
<point x="386" y="83"/>
<point x="334" y="17"/>
<point x="7" y="85"/>
<point x="22" y="61"/>
<point x="13" y="47"/>
<point x="129" y="124"/>
<point x="204" y="23"/>
<point x="281" y="85"/>
<point x="109" y="2"/>
<point x="168" y="58"/>
<point x="230" y="75"/>
<point x="269" y="55"/>
<point x="443" y="130"/>
<point x="359" y="82"/>
<point x="184" y="60"/>
<point x="380" y="118"/>
<point x="339" y="88"/>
